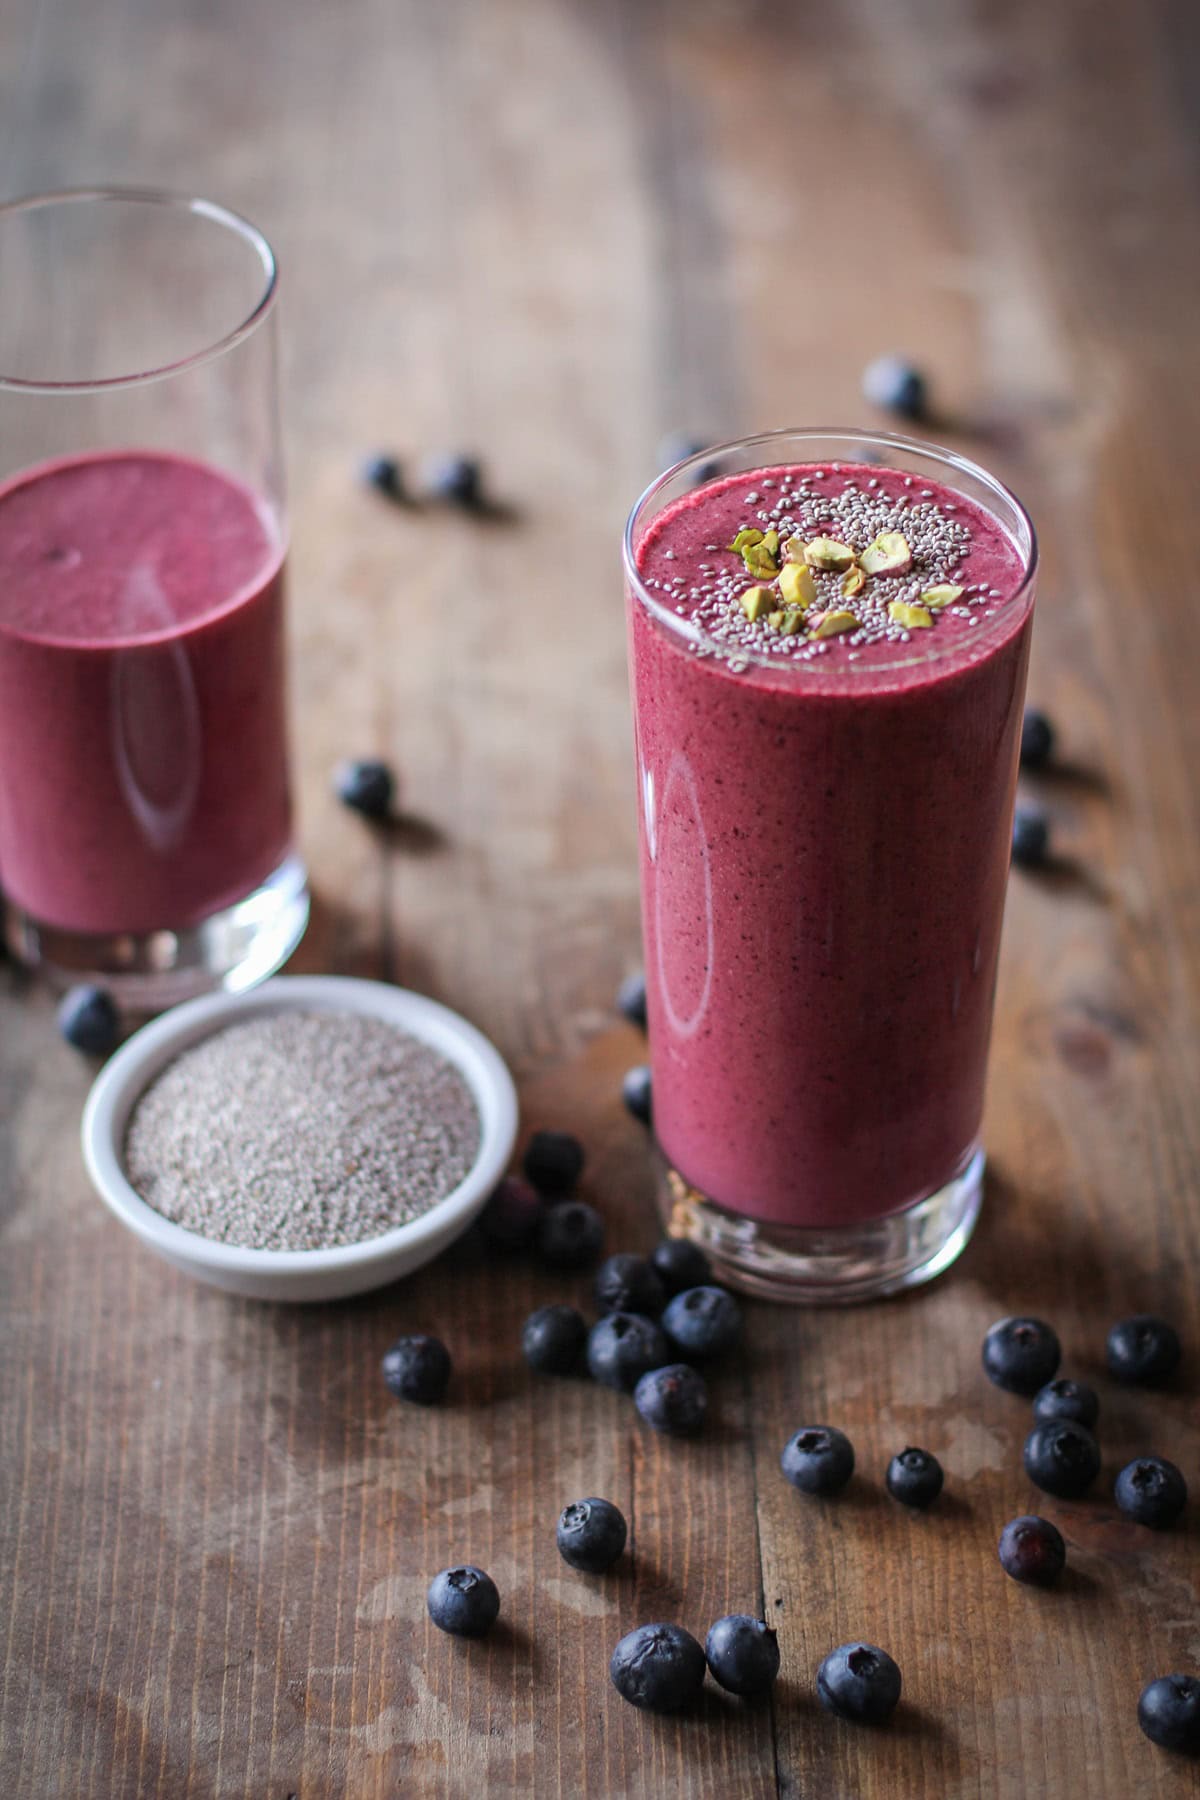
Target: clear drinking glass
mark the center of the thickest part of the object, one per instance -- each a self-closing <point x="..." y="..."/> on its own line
<point x="145" y="812"/>
<point x="824" y="855"/>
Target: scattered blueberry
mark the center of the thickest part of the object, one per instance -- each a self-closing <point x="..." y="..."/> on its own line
<point x="703" y="1321"/>
<point x="1021" y="1355"/>
<point x="553" y="1340"/>
<point x="1062" y="1458"/>
<point x="627" y="1283"/>
<point x="818" y="1459"/>
<point x="914" y="1477"/>
<point x="553" y="1161"/>
<point x="384" y="473"/>
<point x="623" y="1347"/>
<point x="511" y="1217"/>
<point x="1032" y="1550"/>
<point x="367" y="787"/>
<point x="1151" y="1491"/>
<point x="636" y="1093"/>
<point x="743" y="1654"/>
<point x="673" y="1399"/>
<point x="1037" y="739"/>
<point x="1169" y="1713"/>
<point x="454" y="478"/>
<point x="463" y="1601"/>
<point x="570" y="1236"/>
<point x="658" y="1667"/>
<point x="89" y="1020"/>
<point x="591" y="1535"/>
<point x="417" y="1367"/>
<point x="631" y="999"/>
<point x="893" y="383"/>
<point x="681" y="1264"/>
<point x="1030" y="837"/>
<point x="859" y="1682"/>
<point x="1065" y="1399"/>
<point x="1143" y="1349"/>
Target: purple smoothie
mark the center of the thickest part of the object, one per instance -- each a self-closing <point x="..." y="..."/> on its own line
<point x="143" y="776"/>
<point x="825" y="831"/>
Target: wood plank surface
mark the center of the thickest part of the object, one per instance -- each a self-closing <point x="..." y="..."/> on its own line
<point x="552" y="230"/>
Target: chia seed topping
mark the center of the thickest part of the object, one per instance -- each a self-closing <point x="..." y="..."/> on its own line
<point x="302" y="1131"/>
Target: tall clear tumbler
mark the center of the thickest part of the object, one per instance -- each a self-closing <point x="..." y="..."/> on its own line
<point x="145" y="814"/>
<point x="828" y="635"/>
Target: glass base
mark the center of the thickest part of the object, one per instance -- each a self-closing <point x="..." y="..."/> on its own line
<point x="147" y="971"/>
<point x="819" y="1266"/>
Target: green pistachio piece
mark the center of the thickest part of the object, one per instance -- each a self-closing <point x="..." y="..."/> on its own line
<point x="757" y="602"/>
<point x="888" y="555"/>
<point x="793" y="549"/>
<point x="797" y="585"/>
<point x="749" y="534"/>
<point x="853" y="582"/>
<point x="913" y="618"/>
<point x="828" y="553"/>
<point x="833" y="624"/>
<point x="944" y="595"/>
<point x="760" y="560"/>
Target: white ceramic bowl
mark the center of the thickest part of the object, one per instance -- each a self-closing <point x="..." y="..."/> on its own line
<point x="300" y="1274"/>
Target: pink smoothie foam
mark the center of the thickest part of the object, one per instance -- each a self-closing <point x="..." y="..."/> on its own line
<point x="825" y="841"/>
<point x="143" y="775"/>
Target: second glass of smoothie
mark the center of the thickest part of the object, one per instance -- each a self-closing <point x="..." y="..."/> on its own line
<point x="829" y="635"/>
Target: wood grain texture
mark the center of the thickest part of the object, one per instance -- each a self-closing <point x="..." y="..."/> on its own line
<point x="552" y="230"/>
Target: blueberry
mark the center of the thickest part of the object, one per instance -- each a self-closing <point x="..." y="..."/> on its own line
<point x="88" y="1019"/>
<point x="623" y="1347"/>
<point x="553" y="1161"/>
<point x="511" y="1217"/>
<point x="454" y="478"/>
<point x="1032" y="1550"/>
<point x="1143" y="1349"/>
<point x="703" y="1321"/>
<point x="677" y="446"/>
<point x="570" y="1236"/>
<point x="1021" y="1355"/>
<point x="417" y="1367"/>
<point x="818" y="1459"/>
<point x="1030" y="837"/>
<point x="631" y="1000"/>
<point x="893" y="383"/>
<point x="673" y="1399"/>
<point x="914" y="1477"/>
<point x="636" y="1092"/>
<point x="1037" y="739"/>
<point x="859" y="1682"/>
<point x="1169" y="1713"/>
<point x="681" y="1264"/>
<point x="463" y="1601"/>
<point x="626" y="1283"/>
<point x="1151" y="1491"/>
<point x="743" y="1654"/>
<point x="1062" y="1458"/>
<point x="591" y="1535"/>
<point x="384" y="473"/>
<point x="553" y="1340"/>
<point x="1064" y="1399"/>
<point x="658" y="1667"/>
<point x="367" y="787"/>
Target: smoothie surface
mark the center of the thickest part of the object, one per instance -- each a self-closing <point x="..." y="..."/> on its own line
<point x="134" y="546"/>
<point x="844" y="573"/>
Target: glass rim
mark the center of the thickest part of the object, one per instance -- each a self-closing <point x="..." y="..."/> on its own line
<point x="851" y="435"/>
<point x="232" y="221"/>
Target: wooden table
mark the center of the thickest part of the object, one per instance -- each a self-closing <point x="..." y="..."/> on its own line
<point x="551" y="230"/>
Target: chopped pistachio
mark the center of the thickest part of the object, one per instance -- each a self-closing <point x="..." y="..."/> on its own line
<point x="771" y="542"/>
<point x="760" y="560"/>
<point x="793" y="549"/>
<point x="775" y="619"/>
<point x="793" y="620"/>
<point x="757" y="602"/>
<point x="828" y="553"/>
<point x="944" y="595"/>
<point x="888" y="555"/>
<point x="912" y="617"/>
<point x="833" y="624"/>
<point x="749" y="534"/>
<point x="853" y="582"/>
<point x="797" y="585"/>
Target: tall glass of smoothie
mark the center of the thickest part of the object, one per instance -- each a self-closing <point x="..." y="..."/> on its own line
<point x="828" y="639"/>
<point x="145" y="817"/>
